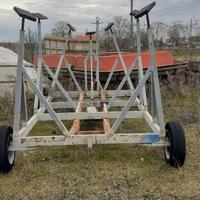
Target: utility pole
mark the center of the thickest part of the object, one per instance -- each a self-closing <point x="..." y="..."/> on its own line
<point x="191" y="32"/>
<point x="193" y="23"/>
<point x="190" y="42"/>
<point x="97" y="50"/>
<point x="131" y="6"/>
<point x="157" y="32"/>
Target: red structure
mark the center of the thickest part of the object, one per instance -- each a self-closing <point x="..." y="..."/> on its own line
<point x="163" y="58"/>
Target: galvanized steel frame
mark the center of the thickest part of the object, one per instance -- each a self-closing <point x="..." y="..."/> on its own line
<point x="104" y="99"/>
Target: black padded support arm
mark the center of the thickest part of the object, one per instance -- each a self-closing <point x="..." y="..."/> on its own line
<point x="144" y="11"/>
<point x="40" y="16"/>
<point x="24" y="14"/>
<point x="109" y="26"/>
<point x="90" y="33"/>
<point x="71" y="27"/>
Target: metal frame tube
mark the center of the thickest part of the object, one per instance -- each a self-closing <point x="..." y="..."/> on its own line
<point x="58" y="70"/>
<point x="92" y="115"/>
<point x="91" y="69"/>
<point x="130" y="101"/>
<point x="122" y="84"/>
<point x="64" y="92"/>
<point x="111" y="73"/>
<point x="60" y="61"/>
<point x="122" y="60"/>
<point x="19" y="82"/>
<point x="97" y="52"/>
<point x="72" y="74"/>
<point x="85" y="70"/>
<point x="121" y="138"/>
<point x="39" y="67"/>
<point x="24" y="111"/>
<point x="46" y="104"/>
<point x="143" y="95"/>
<point x="156" y="88"/>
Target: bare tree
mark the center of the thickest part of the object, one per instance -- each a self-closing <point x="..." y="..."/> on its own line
<point x="177" y="33"/>
<point x="121" y="29"/>
<point x="60" y="29"/>
<point x="121" y="26"/>
<point x="106" y="42"/>
<point x="144" y="39"/>
<point x="31" y="44"/>
<point x="159" y="30"/>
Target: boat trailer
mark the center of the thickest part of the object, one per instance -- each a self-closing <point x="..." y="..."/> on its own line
<point x="91" y="101"/>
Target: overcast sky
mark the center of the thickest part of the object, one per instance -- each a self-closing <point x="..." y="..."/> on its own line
<point x="81" y="13"/>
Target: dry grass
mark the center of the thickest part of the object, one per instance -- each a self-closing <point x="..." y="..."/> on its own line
<point x="104" y="172"/>
<point x="112" y="171"/>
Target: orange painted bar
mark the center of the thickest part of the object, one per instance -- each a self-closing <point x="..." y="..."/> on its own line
<point x="163" y="58"/>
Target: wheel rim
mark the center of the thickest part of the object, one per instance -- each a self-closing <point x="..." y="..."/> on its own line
<point x="11" y="154"/>
<point x="167" y="153"/>
<point x="168" y="148"/>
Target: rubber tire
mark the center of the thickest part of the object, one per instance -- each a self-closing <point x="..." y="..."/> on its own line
<point x="5" y="138"/>
<point x="177" y="150"/>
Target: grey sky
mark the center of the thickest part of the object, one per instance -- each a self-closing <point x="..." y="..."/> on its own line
<point x="81" y="13"/>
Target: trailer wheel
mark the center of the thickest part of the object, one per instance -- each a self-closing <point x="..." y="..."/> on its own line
<point x="176" y="152"/>
<point x="7" y="158"/>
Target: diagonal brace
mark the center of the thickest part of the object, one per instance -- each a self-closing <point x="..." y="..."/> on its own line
<point x="46" y="104"/>
<point x="122" y="61"/>
<point x="72" y="74"/>
<point x="64" y="92"/>
<point x="130" y="101"/>
<point x="122" y="83"/>
<point x="111" y="73"/>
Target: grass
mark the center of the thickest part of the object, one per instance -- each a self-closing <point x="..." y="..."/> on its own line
<point x="111" y="171"/>
<point x="104" y="172"/>
<point x="184" y="54"/>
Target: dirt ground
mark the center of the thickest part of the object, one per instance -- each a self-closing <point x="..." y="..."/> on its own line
<point x="114" y="172"/>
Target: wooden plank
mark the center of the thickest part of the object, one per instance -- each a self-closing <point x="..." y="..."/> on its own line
<point x="76" y="123"/>
<point x="91" y="116"/>
<point x="91" y="132"/>
<point x="106" y="121"/>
